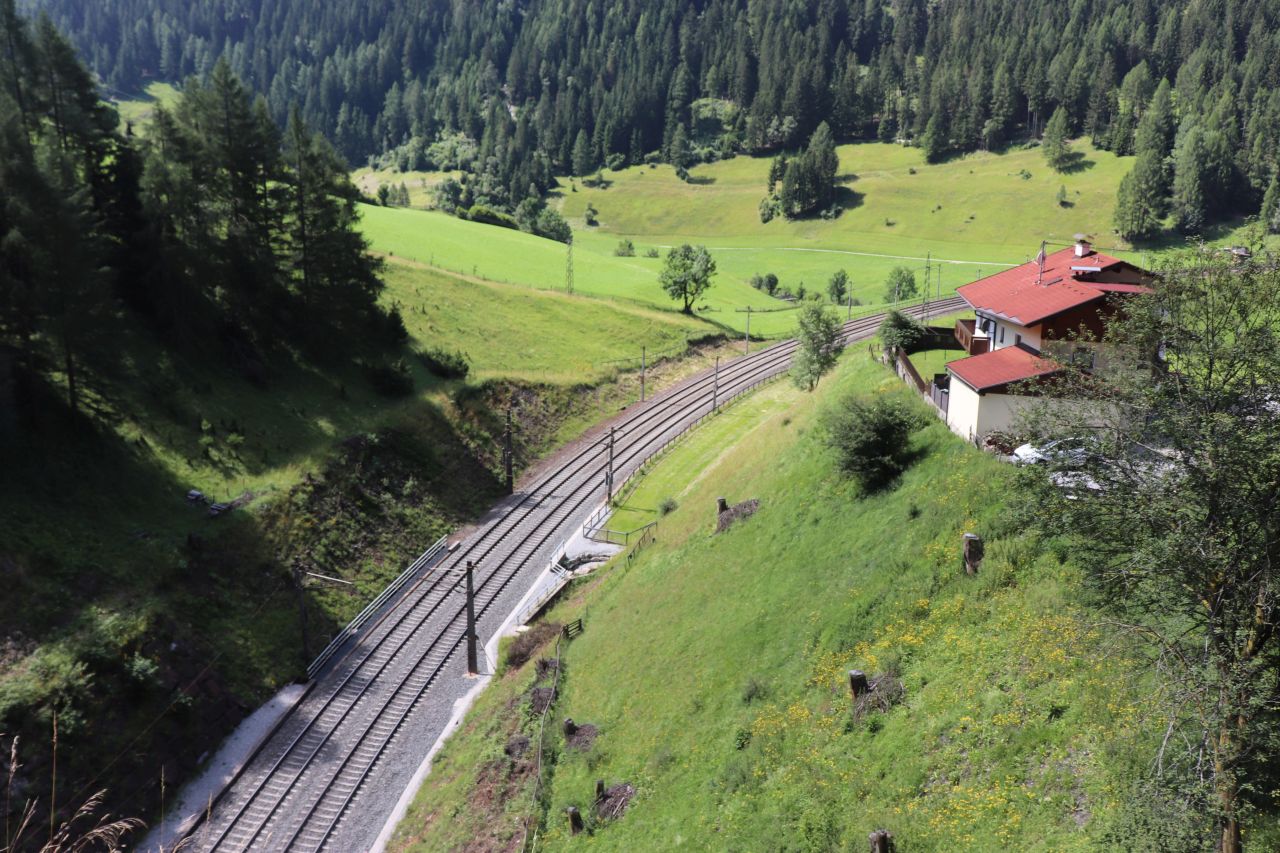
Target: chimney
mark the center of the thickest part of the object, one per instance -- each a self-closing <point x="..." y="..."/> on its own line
<point x="1083" y="247"/>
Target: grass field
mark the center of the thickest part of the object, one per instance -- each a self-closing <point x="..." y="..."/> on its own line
<point x="419" y="184"/>
<point x="137" y="111"/>
<point x="970" y="216"/>
<point x="715" y="666"/>
<point x="504" y="255"/>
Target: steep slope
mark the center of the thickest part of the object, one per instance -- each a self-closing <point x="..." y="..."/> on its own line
<point x="714" y="668"/>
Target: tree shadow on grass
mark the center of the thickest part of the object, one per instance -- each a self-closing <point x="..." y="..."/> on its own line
<point x="1075" y="163"/>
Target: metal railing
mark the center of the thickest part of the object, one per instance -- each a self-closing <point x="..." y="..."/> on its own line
<point x="353" y="627"/>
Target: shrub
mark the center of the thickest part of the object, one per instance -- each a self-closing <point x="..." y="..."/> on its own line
<point x="590" y="215"/>
<point x="524" y="646"/>
<point x="489" y="216"/>
<point x="871" y="439"/>
<point x="445" y="364"/>
<point x="651" y="253"/>
<point x="899" y="330"/>
<point x="552" y="225"/>
<point x="667" y="506"/>
<point x="625" y="249"/>
<point x="390" y="380"/>
<point x="616" y="161"/>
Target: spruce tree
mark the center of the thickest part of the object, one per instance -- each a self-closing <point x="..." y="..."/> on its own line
<point x="1190" y="206"/>
<point x="583" y="160"/>
<point x="1057" y="150"/>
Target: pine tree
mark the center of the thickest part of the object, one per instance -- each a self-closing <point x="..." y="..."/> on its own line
<point x="584" y="162"/>
<point x="1136" y="217"/>
<point x="934" y="142"/>
<point x="1190" y="206"/>
<point x="1057" y="150"/>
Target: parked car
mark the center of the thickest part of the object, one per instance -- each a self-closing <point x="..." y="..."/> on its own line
<point x="1060" y="450"/>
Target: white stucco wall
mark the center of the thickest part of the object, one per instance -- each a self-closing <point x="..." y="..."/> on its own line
<point x="962" y="409"/>
<point x="972" y="415"/>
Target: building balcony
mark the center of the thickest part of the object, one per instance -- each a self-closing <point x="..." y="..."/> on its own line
<point x="973" y="341"/>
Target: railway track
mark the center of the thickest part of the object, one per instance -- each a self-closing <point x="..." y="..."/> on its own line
<point x="327" y="775"/>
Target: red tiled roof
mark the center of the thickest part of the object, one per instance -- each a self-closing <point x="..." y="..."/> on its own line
<point x="1014" y="294"/>
<point x="1001" y="367"/>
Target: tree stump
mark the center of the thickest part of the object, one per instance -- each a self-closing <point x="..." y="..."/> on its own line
<point x="973" y="552"/>
<point x="858" y="683"/>
<point x="570" y="727"/>
<point x="599" y="790"/>
<point x="575" y="820"/>
<point x="881" y="841"/>
<point x="722" y="506"/>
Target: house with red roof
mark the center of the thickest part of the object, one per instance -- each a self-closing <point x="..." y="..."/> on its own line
<point x="1064" y="297"/>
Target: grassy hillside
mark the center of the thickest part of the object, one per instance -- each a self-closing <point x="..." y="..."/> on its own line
<point x="504" y="255"/>
<point x="971" y="214"/>
<point x="976" y="211"/>
<point x="137" y="110"/>
<point x="715" y="666"/>
<point x="149" y="627"/>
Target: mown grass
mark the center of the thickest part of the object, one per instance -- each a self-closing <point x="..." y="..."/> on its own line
<point x="970" y="216"/>
<point x="509" y="256"/>
<point x="972" y="213"/>
<point x="715" y="666"/>
<point x="931" y="361"/>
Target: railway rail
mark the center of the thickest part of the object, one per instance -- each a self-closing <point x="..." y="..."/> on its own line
<point x="332" y="769"/>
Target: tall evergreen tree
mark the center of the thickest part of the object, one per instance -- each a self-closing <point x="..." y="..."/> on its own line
<point x="1057" y="150"/>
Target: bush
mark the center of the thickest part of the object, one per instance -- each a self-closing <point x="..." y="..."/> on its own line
<point x="552" y="225"/>
<point x="445" y="364"/>
<point x="390" y="380"/>
<point x="489" y="216"/>
<point x="525" y="645"/>
<point x="667" y="506"/>
<point x="871" y="439"/>
<point x="651" y="253"/>
<point x="899" y="330"/>
<point x="590" y="215"/>
<point x="625" y="249"/>
<point x="616" y="161"/>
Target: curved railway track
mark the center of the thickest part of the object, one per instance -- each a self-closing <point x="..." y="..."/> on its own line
<point x="324" y="779"/>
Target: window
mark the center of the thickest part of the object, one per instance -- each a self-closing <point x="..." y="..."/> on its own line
<point x="1017" y="339"/>
<point x="1002" y="334"/>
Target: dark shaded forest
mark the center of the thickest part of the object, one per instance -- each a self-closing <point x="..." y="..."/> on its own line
<point x="514" y="92"/>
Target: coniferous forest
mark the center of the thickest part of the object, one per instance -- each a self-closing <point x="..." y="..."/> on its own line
<point x="219" y="231"/>
<point x="513" y="93"/>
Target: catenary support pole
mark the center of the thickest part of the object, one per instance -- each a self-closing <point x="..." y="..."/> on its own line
<point x="715" y="387"/>
<point x="643" y="366"/>
<point x="473" y="661"/>
<point x="508" y="460"/>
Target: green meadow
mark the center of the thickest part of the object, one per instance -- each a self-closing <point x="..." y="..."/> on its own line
<point x="715" y="666"/>
<point x="960" y="219"/>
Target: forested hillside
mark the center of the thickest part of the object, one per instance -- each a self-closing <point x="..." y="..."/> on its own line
<point x="515" y="92"/>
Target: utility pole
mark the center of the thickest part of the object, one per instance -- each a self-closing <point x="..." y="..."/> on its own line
<point x="508" y="455"/>
<point x="715" y="387"/>
<point x="568" y="269"/>
<point x="746" y="339"/>
<point x="608" y="474"/>
<point x="928" y="268"/>
<point x="473" y="662"/>
<point x="849" y="316"/>
<point x="298" y="576"/>
<point x="642" y="369"/>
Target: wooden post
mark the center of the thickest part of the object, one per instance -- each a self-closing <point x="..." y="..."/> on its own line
<point x="722" y="505"/>
<point x="973" y="552"/>
<point x="881" y="841"/>
<point x="599" y="790"/>
<point x="575" y="820"/>
<point x="570" y="727"/>
<point x="858" y="685"/>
